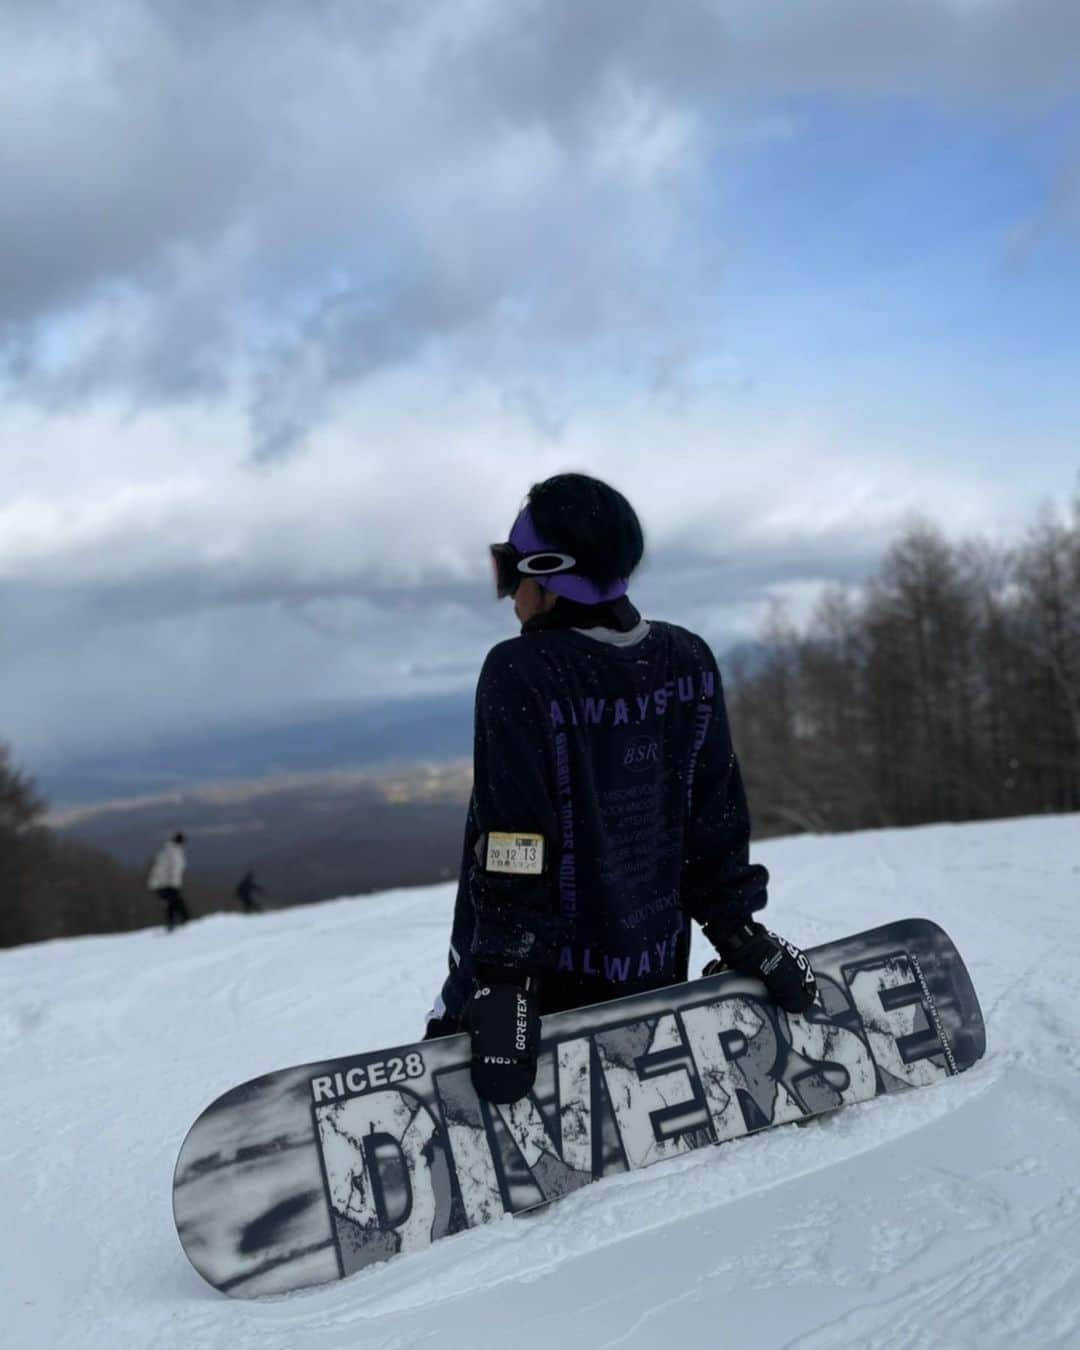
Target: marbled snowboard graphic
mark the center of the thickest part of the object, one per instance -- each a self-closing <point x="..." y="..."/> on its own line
<point x="305" y="1176"/>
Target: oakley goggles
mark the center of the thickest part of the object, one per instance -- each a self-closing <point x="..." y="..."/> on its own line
<point x="511" y="567"/>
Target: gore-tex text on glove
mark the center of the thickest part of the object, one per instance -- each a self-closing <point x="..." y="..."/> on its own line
<point x="502" y="1018"/>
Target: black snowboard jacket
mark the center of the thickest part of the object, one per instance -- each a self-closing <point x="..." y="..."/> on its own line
<point x="608" y="736"/>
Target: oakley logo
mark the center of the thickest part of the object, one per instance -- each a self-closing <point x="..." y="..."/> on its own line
<point x="545" y="564"/>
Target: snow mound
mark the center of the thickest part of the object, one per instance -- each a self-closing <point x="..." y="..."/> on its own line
<point x="948" y="1217"/>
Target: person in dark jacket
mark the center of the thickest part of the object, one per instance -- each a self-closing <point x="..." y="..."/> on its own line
<point x="247" y="888"/>
<point x="607" y="809"/>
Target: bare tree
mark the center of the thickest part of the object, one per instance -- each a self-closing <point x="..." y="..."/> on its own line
<point x="1048" y="623"/>
<point x="50" y="888"/>
<point x="949" y="691"/>
<point x="20" y="805"/>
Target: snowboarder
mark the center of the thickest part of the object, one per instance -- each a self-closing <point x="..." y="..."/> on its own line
<point x="607" y="807"/>
<point x="246" y="890"/>
<point x="166" y="877"/>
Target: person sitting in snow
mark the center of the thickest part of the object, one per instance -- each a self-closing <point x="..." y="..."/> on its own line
<point x="607" y="808"/>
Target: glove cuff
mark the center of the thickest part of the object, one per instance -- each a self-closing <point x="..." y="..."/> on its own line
<point x="485" y="973"/>
<point x="731" y="937"/>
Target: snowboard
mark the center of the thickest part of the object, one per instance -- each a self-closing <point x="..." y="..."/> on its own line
<point x="304" y="1176"/>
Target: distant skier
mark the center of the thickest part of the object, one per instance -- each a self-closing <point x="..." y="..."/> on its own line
<point x="246" y="890"/>
<point x="167" y="876"/>
<point x="607" y="806"/>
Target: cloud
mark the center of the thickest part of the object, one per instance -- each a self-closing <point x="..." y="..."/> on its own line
<point x="402" y="490"/>
<point x="445" y="247"/>
<point x="145" y="594"/>
<point x="269" y="202"/>
<point x="289" y="198"/>
<point x="1060" y="210"/>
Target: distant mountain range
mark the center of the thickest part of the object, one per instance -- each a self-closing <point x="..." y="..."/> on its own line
<point x="317" y="741"/>
<point x="331" y="801"/>
<point x="335" y="801"/>
<point x="346" y="736"/>
<point x="307" y="836"/>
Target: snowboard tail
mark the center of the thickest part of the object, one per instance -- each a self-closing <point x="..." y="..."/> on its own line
<point x="304" y="1176"/>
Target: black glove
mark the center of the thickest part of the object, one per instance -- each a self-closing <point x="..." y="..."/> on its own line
<point x="752" y="950"/>
<point x="441" y="1026"/>
<point x="502" y="1018"/>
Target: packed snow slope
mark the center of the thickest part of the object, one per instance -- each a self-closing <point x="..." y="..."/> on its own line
<point x="946" y="1217"/>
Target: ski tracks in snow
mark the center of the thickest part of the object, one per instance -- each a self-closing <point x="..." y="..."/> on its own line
<point x="944" y="1218"/>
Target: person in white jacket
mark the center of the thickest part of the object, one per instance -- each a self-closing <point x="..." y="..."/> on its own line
<point x="167" y="876"/>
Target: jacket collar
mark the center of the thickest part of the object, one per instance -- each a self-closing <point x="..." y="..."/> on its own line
<point x="617" y="614"/>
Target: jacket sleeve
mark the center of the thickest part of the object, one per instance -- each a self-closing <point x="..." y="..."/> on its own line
<point x="459" y="980"/>
<point x="516" y="919"/>
<point x="721" y="886"/>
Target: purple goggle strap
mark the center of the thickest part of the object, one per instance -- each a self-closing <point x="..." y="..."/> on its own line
<point x="569" y="584"/>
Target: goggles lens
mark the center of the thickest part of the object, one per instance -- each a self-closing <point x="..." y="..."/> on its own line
<point x="504" y="566"/>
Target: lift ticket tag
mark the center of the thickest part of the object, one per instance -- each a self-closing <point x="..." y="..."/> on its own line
<point x="516" y="854"/>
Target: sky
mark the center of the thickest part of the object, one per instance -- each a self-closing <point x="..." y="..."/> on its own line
<point x="297" y="299"/>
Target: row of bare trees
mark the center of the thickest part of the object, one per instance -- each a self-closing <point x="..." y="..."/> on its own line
<point x="948" y="689"/>
<point x="51" y="887"/>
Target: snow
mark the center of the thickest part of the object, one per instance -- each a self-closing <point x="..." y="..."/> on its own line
<point x="948" y="1217"/>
